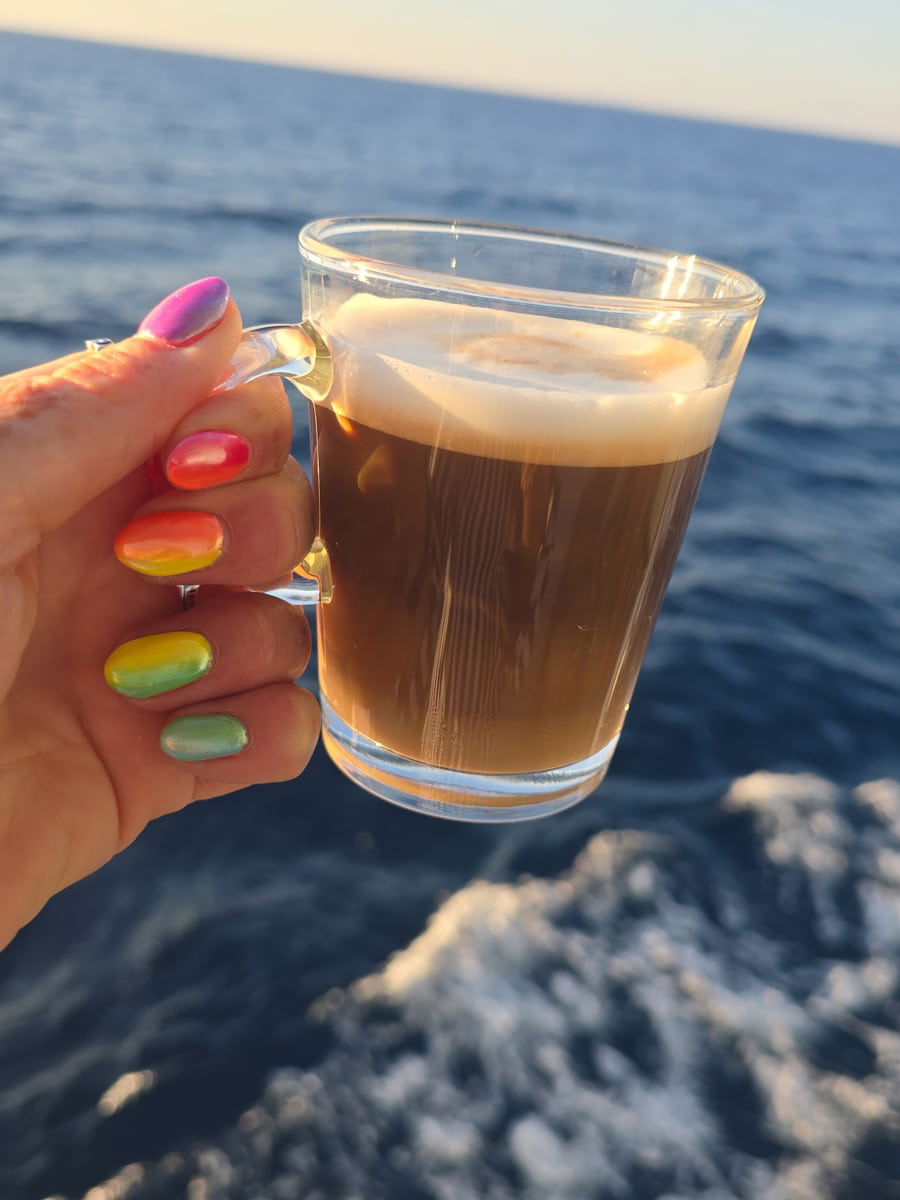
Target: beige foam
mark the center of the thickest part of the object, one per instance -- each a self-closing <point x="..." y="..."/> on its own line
<point x="518" y="386"/>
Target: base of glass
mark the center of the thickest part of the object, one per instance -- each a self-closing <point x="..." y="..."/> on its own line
<point x="458" y="795"/>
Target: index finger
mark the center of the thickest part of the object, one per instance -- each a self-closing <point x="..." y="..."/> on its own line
<point x="242" y="434"/>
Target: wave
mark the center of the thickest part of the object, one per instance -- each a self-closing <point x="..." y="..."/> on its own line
<point x="658" y="1020"/>
<point x="49" y="330"/>
<point x="289" y="220"/>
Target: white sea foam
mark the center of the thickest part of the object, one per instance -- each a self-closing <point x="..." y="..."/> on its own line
<point x="659" y="1021"/>
<point x="521" y="386"/>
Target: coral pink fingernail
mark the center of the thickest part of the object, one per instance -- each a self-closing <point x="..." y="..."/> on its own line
<point x="186" y="315"/>
<point x="207" y="459"/>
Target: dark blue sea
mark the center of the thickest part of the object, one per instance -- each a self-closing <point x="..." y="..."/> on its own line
<point x="689" y="986"/>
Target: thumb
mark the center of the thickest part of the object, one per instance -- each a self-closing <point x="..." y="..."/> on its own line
<point x="74" y="428"/>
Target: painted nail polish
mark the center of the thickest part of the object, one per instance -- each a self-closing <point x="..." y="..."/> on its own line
<point x="162" y="662"/>
<point x="186" y="315"/>
<point x="199" y="736"/>
<point x="207" y="459"/>
<point x="170" y="543"/>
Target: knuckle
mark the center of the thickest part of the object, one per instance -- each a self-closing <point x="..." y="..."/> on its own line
<point x="280" y="634"/>
<point x="295" y="507"/>
<point x="260" y="406"/>
<point x="262" y="631"/>
<point x="266" y="400"/>
<point x="300" y="640"/>
<point x="295" y="476"/>
<point x="309" y="720"/>
<point x="304" y="733"/>
<point x="32" y="397"/>
<point x="301" y="499"/>
<point x="113" y="365"/>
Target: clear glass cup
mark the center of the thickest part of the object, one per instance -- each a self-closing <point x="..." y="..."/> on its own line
<point x="509" y="430"/>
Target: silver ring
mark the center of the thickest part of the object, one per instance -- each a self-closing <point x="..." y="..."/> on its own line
<point x="98" y="343"/>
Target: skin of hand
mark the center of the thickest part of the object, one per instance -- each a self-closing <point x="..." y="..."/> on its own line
<point x="116" y="706"/>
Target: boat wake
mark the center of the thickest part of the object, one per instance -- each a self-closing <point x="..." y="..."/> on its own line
<point x="683" y="1013"/>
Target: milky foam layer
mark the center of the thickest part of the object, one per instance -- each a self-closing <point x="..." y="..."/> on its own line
<point x="519" y="386"/>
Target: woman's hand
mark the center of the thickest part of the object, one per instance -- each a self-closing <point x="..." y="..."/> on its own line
<point x="115" y="705"/>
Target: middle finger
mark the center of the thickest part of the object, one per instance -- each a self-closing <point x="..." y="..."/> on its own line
<point x="249" y="534"/>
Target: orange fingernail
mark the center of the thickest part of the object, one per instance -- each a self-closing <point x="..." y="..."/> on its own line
<point x="170" y="543"/>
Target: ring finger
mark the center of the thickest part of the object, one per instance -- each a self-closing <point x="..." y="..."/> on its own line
<point x="227" y="644"/>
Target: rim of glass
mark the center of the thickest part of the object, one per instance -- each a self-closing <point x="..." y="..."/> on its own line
<point x="316" y="247"/>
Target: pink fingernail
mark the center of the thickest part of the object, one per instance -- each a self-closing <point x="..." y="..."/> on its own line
<point x="207" y="459"/>
<point x="186" y="315"/>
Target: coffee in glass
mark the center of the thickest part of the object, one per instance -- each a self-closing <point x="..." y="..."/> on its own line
<point x="508" y="443"/>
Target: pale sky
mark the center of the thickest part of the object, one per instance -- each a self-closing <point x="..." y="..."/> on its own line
<point x="828" y="66"/>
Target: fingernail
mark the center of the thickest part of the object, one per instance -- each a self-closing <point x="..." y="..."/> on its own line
<point x="204" y="735"/>
<point x="206" y="459"/>
<point x="170" y="543"/>
<point x="186" y="315"/>
<point x="162" y="662"/>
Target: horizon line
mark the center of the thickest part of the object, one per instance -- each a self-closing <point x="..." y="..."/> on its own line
<point x="474" y="89"/>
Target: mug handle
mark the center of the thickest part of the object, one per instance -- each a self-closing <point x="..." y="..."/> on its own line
<point x="298" y="354"/>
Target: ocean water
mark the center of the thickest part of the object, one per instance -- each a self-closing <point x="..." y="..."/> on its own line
<point x="687" y="987"/>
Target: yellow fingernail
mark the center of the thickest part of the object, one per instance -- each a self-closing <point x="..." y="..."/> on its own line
<point x="162" y="662"/>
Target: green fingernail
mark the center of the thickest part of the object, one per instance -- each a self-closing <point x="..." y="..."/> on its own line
<point x="204" y="735"/>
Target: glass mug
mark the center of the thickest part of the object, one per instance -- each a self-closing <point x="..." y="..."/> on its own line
<point x="509" y="429"/>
